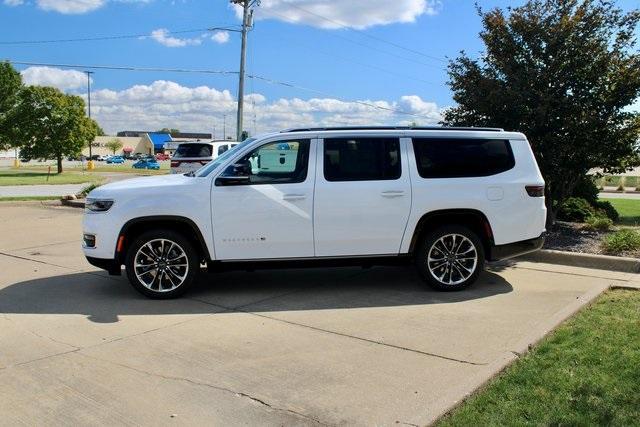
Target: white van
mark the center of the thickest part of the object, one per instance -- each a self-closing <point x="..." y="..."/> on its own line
<point x="191" y="156"/>
<point x="446" y="199"/>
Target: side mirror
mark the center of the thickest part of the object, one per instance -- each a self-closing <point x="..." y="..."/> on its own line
<point x="242" y="168"/>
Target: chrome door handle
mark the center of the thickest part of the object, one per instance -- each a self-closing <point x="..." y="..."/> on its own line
<point x="291" y="197"/>
<point x="392" y="193"/>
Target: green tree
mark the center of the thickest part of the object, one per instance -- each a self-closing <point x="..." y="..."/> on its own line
<point x="563" y="72"/>
<point x="10" y="85"/>
<point x="51" y="124"/>
<point x="114" y="145"/>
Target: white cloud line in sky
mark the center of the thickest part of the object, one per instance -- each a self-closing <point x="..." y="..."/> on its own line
<point x="331" y="14"/>
<point x="161" y="35"/>
<point x="250" y="76"/>
<point x="169" y="104"/>
<point x="220" y="37"/>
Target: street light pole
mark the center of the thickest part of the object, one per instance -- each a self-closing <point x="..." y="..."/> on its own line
<point x="90" y="165"/>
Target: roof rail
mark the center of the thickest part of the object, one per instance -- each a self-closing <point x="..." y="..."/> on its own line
<point x="315" y="129"/>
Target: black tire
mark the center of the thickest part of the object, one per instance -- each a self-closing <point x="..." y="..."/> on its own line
<point x="165" y="281"/>
<point x="457" y="264"/>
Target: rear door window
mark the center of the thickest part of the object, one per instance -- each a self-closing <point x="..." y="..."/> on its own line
<point x="361" y="159"/>
<point x="193" y="150"/>
<point x="462" y="158"/>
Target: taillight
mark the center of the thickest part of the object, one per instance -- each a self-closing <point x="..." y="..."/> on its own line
<point x="535" y="190"/>
<point x="175" y="163"/>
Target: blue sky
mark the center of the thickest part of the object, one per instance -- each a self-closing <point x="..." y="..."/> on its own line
<point x="338" y="64"/>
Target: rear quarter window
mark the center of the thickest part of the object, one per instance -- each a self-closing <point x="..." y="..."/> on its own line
<point x="462" y="158"/>
<point x="193" y="150"/>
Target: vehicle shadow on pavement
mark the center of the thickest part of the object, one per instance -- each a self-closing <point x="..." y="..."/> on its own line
<point x="103" y="299"/>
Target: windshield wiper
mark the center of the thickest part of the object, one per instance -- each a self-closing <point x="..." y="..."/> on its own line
<point x="191" y="174"/>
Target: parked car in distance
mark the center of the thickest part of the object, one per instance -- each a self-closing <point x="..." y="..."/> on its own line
<point x="446" y="199"/>
<point x="146" y="164"/>
<point x="115" y="160"/>
<point x="191" y="156"/>
<point x="162" y="156"/>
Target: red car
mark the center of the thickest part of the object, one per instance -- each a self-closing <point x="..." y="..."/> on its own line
<point x="162" y="156"/>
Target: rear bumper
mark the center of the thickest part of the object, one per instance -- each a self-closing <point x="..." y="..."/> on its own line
<point x="511" y="250"/>
<point x="112" y="266"/>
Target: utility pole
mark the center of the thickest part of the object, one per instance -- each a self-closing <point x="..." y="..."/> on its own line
<point x="246" y="25"/>
<point x="90" y="165"/>
<point x="224" y="127"/>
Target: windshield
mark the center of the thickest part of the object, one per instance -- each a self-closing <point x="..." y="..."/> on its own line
<point x="211" y="166"/>
<point x="192" y="150"/>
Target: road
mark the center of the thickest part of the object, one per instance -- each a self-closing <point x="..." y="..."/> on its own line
<point x="619" y="195"/>
<point x="285" y="347"/>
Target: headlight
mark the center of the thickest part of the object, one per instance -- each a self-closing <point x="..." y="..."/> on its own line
<point x="98" y="205"/>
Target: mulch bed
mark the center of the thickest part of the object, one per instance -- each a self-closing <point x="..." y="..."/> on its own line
<point x="570" y="237"/>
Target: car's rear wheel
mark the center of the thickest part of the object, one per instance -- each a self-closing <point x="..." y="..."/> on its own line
<point x="450" y="258"/>
<point x="161" y="264"/>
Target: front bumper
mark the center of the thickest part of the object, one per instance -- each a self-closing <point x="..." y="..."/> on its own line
<point x="112" y="266"/>
<point x="511" y="250"/>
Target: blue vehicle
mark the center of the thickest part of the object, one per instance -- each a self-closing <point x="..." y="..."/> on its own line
<point x="146" y="164"/>
<point x="115" y="160"/>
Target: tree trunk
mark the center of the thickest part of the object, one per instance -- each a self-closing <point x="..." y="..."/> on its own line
<point x="59" y="158"/>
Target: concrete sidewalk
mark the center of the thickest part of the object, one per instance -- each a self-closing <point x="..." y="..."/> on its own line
<point x="40" y="190"/>
<point x="303" y="347"/>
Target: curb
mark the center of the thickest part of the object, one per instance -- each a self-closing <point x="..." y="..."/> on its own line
<point x="599" y="262"/>
<point x="75" y="203"/>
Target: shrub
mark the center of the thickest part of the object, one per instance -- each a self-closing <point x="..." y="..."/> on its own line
<point x="86" y="190"/>
<point x="606" y="209"/>
<point x="586" y="189"/>
<point x="575" y="209"/>
<point x="598" y="223"/>
<point x="625" y="240"/>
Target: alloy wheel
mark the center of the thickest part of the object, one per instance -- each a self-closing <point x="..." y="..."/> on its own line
<point x="161" y="265"/>
<point x="452" y="259"/>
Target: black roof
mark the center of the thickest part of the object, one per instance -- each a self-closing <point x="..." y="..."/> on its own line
<point x="310" y="129"/>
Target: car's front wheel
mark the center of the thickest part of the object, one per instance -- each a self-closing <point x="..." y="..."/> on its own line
<point x="161" y="264"/>
<point x="450" y="258"/>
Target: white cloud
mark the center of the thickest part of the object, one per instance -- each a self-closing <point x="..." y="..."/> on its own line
<point x="165" y="103"/>
<point x="220" y="37"/>
<point x="70" y="6"/>
<point x="169" y="104"/>
<point x="47" y="76"/>
<point x="333" y="14"/>
<point x="161" y="35"/>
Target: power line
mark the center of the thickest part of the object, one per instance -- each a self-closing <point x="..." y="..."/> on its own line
<point x="124" y="68"/>
<point x="115" y="37"/>
<point x="364" y="33"/>
<point x="204" y="71"/>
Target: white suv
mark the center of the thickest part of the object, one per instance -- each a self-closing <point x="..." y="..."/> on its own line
<point x="446" y="198"/>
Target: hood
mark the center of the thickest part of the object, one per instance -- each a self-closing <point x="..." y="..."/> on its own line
<point x="146" y="183"/>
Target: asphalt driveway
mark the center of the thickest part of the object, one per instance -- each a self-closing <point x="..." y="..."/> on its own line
<point x="320" y="346"/>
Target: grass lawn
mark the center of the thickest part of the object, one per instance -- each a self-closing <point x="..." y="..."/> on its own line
<point x="29" y="177"/>
<point x="103" y="167"/>
<point x="629" y="210"/>
<point x="614" y="181"/>
<point x="587" y="372"/>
